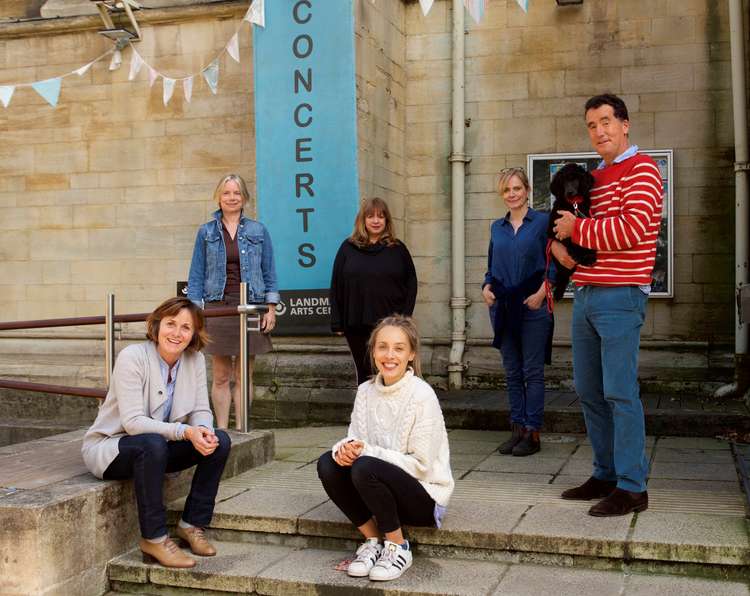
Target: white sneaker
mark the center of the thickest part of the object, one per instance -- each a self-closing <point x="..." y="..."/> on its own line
<point x="367" y="554"/>
<point x="393" y="561"/>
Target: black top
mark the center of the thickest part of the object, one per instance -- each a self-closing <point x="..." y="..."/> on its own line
<point x="370" y="283"/>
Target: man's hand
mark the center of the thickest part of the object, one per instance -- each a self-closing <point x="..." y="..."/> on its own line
<point x="204" y="441"/>
<point x="564" y="225"/>
<point x="489" y="297"/>
<point x="348" y="453"/>
<point x="561" y="254"/>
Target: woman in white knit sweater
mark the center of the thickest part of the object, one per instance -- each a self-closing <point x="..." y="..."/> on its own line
<point x="393" y="467"/>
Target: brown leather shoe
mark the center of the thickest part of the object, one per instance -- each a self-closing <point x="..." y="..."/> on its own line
<point x="529" y="445"/>
<point x="516" y="436"/>
<point x="166" y="553"/>
<point x="620" y="502"/>
<point x="593" y="488"/>
<point x="195" y="538"/>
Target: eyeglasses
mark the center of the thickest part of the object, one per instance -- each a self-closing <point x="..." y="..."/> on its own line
<point x="514" y="169"/>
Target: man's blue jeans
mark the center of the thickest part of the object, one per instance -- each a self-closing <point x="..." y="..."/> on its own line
<point x="524" y="368"/>
<point x="606" y="337"/>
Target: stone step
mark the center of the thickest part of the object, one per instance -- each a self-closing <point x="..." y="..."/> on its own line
<point x="283" y="570"/>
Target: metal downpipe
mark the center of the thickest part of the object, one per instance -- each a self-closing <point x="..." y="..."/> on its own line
<point x="458" y="159"/>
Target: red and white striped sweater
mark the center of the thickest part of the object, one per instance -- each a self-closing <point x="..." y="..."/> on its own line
<point x="626" y="204"/>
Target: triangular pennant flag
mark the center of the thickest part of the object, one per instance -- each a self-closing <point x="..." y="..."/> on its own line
<point x="135" y="65"/>
<point x="256" y="13"/>
<point x="233" y="47"/>
<point x="116" y="61"/>
<point x="168" y="89"/>
<point x="211" y="74"/>
<point x="426" y="6"/>
<point x="6" y="92"/>
<point x="475" y="8"/>
<point x="187" y="88"/>
<point x="84" y="69"/>
<point x="49" y="90"/>
<point x="152" y="76"/>
<point x="524" y="4"/>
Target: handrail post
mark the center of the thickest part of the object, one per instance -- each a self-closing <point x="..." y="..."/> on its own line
<point x="109" y="338"/>
<point x="244" y="414"/>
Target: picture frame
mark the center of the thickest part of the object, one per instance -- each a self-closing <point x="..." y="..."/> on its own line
<point x="541" y="167"/>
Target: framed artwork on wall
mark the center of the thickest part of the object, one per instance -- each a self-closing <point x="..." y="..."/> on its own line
<point x="543" y="166"/>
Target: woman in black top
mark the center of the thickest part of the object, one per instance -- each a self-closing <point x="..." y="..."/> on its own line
<point x="373" y="277"/>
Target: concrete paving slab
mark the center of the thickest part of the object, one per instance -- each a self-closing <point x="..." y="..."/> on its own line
<point x="694" y="471"/>
<point x="461" y="434"/>
<point x="468" y="461"/>
<point x="493" y="478"/>
<point x="577" y="467"/>
<point x="327" y="520"/>
<point x="305" y="455"/>
<point x="700" y="486"/>
<point x="691" y="538"/>
<point x="693" y="443"/>
<point x="534" y="464"/>
<point x="473" y="447"/>
<point x="265" y="509"/>
<point x="308" y="436"/>
<point x="567" y="528"/>
<point x="648" y="585"/>
<point x="308" y="571"/>
<point x="570" y="480"/>
<point x="693" y="456"/>
<point x="532" y="580"/>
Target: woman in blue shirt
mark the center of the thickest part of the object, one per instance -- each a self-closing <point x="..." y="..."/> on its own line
<point x="231" y="249"/>
<point x="514" y="290"/>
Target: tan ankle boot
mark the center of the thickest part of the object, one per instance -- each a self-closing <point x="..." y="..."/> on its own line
<point x="195" y="538"/>
<point x="166" y="553"/>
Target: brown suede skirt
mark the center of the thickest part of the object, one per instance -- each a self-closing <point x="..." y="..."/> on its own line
<point x="224" y="332"/>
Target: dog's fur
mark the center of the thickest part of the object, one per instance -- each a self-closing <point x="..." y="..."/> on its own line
<point x="569" y="182"/>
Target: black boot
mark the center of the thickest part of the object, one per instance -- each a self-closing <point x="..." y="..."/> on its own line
<point x="529" y="445"/>
<point x="515" y="438"/>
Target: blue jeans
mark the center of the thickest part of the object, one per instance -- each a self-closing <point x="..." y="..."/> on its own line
<point x="606" y="337"/>
<point x="524" y="368"/>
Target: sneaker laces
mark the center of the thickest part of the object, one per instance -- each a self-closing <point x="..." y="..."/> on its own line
<point x="367" y="550"/>
<point x="387" y="557"/>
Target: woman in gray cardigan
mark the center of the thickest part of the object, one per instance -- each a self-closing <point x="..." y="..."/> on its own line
<point x="155" y="420"/>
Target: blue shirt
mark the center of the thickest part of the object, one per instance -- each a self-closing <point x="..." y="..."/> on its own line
<point x="170" y="379"/>
<point x="515" y="256"/>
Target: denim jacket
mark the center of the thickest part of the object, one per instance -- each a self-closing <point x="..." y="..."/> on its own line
<point x="208" y="268"/>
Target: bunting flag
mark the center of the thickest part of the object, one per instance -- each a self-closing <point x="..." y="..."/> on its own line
<point x="233" y="48"/>
<point x="211" y="74"/>
<point x="168" y="89"/>
<point x="426" y="6"/>
<point x="524" y="4"/>
<point x="83" y="70"/>
<point x="135" y="65"/>
<point x="256" y="14"/>
<point x="116" y="61"/>
<point x="475" y="8"/>
<point x="152" y="76"/>
<point x="187" y="88"/>
<point x="6" y="92"/>
<point x="49" y="90"/>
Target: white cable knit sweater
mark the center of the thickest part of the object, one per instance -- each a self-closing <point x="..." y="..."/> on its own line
<point x="403" y="425"/>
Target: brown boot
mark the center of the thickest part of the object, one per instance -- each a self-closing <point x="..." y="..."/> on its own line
<point x="593" y="488"/>
<point x="515" y="438"/>
<point x="195" y="538"/>
<point x="166" y="553"/>
<point x="620" y="502"/>
<point x="529" y="445"/>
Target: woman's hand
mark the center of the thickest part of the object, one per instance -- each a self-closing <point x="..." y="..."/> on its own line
<point x="204" y="441"/>
<point x="489" y="297"/>
<point x="269" y="319"/>
<point x="348" y="453"/>
<point x="534" y="302"/>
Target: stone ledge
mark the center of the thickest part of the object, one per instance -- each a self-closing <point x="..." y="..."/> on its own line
<point x="58" y="537"/>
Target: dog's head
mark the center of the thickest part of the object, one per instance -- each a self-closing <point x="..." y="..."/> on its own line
<point x="571" y="181"/>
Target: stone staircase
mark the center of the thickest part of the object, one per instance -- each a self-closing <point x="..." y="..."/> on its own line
<point x="506" y="532"/>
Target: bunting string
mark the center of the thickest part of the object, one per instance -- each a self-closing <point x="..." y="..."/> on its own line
<point x="49" y="89"/>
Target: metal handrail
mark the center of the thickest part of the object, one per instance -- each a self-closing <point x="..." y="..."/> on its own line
<point x="247" y="312"/>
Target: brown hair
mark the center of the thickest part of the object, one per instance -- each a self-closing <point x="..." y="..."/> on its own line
<point x="507" y="173"/>
<point x="608" y="99"/>
<point x="359" y="235"/>
<point x="409" y="327"/>
<point x="232" y="178"/>
<point x="170" y="308"/>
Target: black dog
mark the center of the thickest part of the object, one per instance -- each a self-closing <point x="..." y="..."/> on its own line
<point x="571" y="186"/>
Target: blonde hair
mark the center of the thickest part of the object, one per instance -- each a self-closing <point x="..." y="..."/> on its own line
<point x="409" y="327"/>
<point x="359" y="235"/>
<point x="507" y="173"/>
<point x="232" y="178"/>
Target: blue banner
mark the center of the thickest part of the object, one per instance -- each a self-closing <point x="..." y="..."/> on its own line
<point x="306" y="139"/>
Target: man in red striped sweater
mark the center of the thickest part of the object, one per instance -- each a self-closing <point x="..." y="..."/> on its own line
<point x="609" y="308"/>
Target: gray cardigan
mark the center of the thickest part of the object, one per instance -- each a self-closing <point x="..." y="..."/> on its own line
<point x="135" y="402"/>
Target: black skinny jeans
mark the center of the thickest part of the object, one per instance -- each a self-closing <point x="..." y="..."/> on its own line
<point x="147" y="457"/>
<point x="357" y="340"/>
<point x="375" y="488"/>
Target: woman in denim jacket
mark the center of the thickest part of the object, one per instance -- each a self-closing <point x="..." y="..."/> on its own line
<point x="230" y="249"/>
